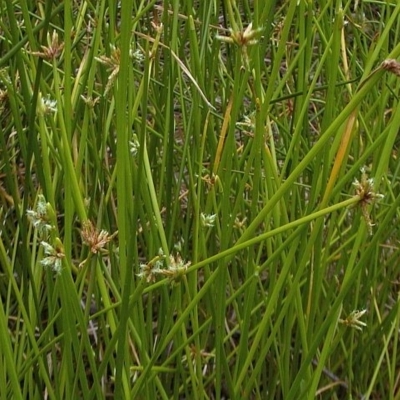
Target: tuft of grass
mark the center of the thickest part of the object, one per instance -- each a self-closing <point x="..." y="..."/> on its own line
<point x="199" y="199"/>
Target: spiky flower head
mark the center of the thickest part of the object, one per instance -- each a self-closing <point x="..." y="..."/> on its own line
<point x="40" y="217"/>
<point x="353" y="320"/>
<point x="54" y="256"/>
<point x="366" y="192"/>
<point x="53" y="50"/>
<point x="95" y="239"/>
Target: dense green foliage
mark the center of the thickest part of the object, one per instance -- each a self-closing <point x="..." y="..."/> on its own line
<point x="199" y="199"/>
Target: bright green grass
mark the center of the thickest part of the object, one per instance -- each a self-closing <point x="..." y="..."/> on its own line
<point x="246" y="253"/>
